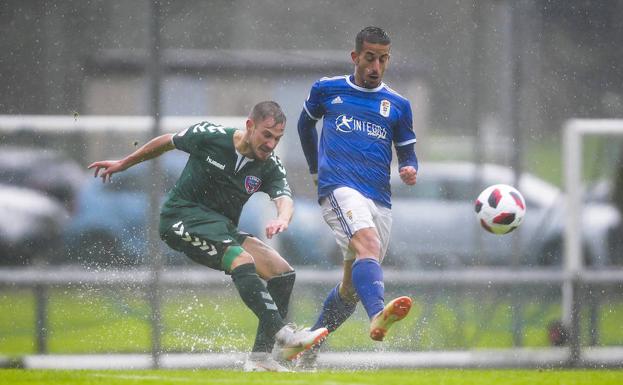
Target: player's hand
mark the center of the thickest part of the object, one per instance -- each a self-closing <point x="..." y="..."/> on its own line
<point x="109" y="167"/>
<point x="275" y="227"/>
<point x="408" y="174"/>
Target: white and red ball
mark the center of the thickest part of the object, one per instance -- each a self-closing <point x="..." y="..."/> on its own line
<point x="500" y="208"/>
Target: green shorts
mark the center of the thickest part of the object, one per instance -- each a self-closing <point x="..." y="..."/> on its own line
<point x="200" y="233"/>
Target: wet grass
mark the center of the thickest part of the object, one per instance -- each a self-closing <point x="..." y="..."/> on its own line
<point x="402" y="377"/>
<point x="117" y="321"/>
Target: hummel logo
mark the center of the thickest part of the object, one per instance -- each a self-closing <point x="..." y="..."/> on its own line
<point x="215" y="163"/>
<point x="337" y="100"/>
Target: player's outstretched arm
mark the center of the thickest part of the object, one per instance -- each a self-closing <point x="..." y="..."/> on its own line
<point x="149" y="150"/>
<point x="285" y="210"/>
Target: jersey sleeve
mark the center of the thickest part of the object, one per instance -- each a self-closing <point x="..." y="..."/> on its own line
<point x="194" y="138"/>
<point x="404" y="133"/>
<point x="313" y="105"/>
<point x="276" y="182"/>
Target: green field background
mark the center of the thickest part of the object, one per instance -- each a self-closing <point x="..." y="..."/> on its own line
<point x="98" y="320"/>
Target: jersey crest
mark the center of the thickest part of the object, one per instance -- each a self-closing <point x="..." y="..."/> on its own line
<point x="252" y="183"/>
<point x="385" y="108"/>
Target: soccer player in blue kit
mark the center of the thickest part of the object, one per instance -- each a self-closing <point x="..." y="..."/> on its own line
<point x="362" y="117"/>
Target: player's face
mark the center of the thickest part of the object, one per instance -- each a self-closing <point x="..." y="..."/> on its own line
<point x="370" y="64"/>
<point x="264" y="136"/>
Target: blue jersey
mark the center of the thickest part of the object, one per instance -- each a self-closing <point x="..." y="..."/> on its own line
<point x="359" y="126"/>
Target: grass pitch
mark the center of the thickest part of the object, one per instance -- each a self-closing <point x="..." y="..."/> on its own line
<point x="393" y="377"/>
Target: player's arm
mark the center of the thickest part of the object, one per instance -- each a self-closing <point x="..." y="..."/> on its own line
<point x="309" y="140"/>
<point x="313" y="110"/>
<point x="152" y="149"/>
<point x="285" y="210"/>
<point x="407" y="163"/>
<point x="404" y="140"/>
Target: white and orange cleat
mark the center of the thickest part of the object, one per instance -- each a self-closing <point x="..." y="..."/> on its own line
<point x="395" y="310"/>
<point x="291" y="343"/>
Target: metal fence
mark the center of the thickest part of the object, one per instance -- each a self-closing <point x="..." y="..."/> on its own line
<point x="593" y="290"/>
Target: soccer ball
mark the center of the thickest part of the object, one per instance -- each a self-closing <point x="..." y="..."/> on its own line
<point x="500" y="208"/>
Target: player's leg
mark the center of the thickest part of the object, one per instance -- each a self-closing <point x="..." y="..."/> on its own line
<point x="342" y="300"/>
<point x="367" y="270"/>
<point x="249" y="285"/>
<point x="240" y="264"/>
<point x="340" y="304"/>
<point x="367" y="274"/>
<point x="214" y="242"/>
<point x="209" y="238"/>
<point x="279" y="277"/>
<point x="356" y="216"/>
<point x="290" y="341"/>
<point x="370" y="225"/>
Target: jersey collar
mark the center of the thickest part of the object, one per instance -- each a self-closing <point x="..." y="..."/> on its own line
<point x="241" y="161"/>
<point x="351" y="82"/>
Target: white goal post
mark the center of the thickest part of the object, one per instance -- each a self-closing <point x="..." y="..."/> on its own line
<point x="575" y="133"/>
<point x="65" y="124"/>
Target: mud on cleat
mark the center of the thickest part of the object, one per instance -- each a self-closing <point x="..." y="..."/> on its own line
<point x="395" y="310"/>
<point x="263" y="362"/>
<point x="290" y="342"/>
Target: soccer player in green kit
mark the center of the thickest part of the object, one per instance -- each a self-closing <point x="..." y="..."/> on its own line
<point x="200" y="216"/>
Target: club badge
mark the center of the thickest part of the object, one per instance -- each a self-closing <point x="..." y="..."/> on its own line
<point x="385" y="108"/>
<point x="252" y="183"/>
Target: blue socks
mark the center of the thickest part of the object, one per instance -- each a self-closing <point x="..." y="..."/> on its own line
<point x="368" y="282"/>
<point x="334" y="311"/>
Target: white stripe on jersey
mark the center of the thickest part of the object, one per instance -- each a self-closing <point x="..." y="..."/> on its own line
<point x="353" y="85"/>
<point x="406" y="142"/>
<point x="309" y="113"/>
<point x="325" y="78"/>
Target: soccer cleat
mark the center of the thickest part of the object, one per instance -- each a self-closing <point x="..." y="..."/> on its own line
<point x="263" y="362"/>
<point x="395" y="310"/>
<point x="290" y="342"/>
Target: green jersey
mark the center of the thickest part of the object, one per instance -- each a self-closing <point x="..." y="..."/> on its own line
<point x="218" y="177"/>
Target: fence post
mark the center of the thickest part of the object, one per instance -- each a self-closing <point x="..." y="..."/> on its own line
<point x="41" y="315"/>
<point x="575" y="330"/>
<point x="154" y="70"/>
<point x="594" y="303"/>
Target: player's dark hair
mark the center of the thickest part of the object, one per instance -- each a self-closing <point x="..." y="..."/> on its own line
<point x="374" y="35"/>
<point x="266" y="109"/>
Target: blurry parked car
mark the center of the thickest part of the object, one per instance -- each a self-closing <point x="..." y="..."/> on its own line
<point x="110" y="222"/>
<point x="43" y="169"/>
<point x="31" y="227"/>
<point x="435" y="224"/>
